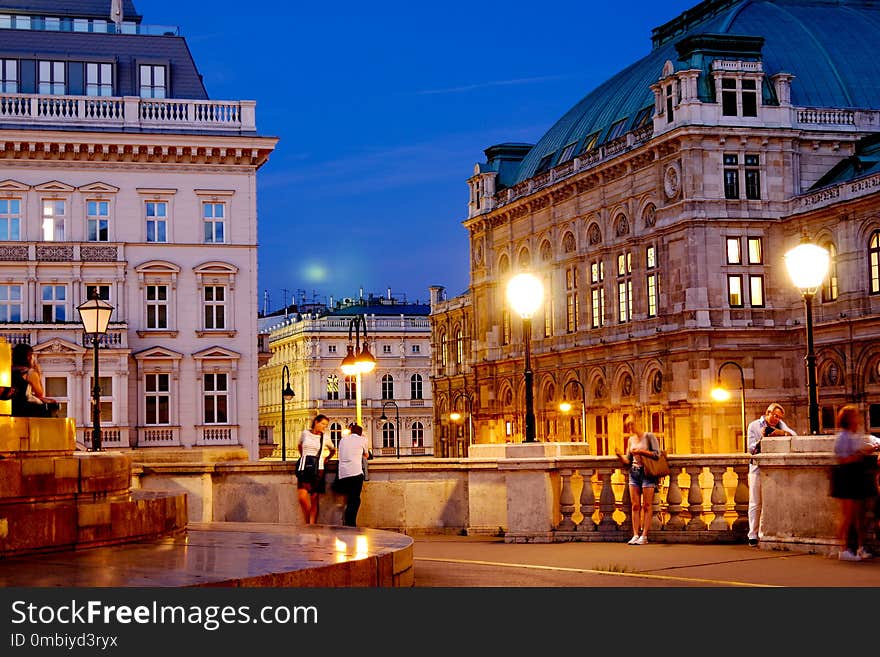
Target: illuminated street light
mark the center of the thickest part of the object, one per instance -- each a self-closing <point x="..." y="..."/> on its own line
<point x="95" y="315"/>
<point x="720" y="394"/>
<point x="525" y="293"/>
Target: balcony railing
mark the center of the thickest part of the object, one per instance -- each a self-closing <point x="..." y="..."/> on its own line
<point x="37" y="332"/>
<point x="110" y="437"/>
<point x="129" y="112"/>
<point x="218" y="435"/>
<point x="158" y="436"/>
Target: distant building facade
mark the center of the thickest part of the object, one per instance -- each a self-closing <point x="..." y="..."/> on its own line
<point x="119" y="174"/>
<point x="312" y="345"/>
<point x="657" y="212"/>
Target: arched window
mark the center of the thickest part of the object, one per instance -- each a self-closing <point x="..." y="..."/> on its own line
<point x="350" y="383"/>
<point x="444" y="350"/>
<point x="525" y="259"/>
<point x="332" y="387"/>
<point x="387" y="387"/>
<point x="335" y="434"/>
<point x="388" y="434"/>
<point x="503" y="265"/>
<point x="418" y="434"/>
<point x="415" y="386"/>
<point x="874" y="258"/>
<point x="459" y="347"/>
<point x="830" y="287"/>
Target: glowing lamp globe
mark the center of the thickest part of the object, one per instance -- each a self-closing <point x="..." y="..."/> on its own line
<point x="525" y="293"/>
<point x="807" y="266"/>
<point x="719" y="394"/>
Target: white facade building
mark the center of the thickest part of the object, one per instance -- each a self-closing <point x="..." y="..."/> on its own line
<point x="312" y="347"/>
<point x="119" y="172"/>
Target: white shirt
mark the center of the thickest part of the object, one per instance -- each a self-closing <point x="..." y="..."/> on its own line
<point x="352" y="448"/>
<point x="310" y="443"/>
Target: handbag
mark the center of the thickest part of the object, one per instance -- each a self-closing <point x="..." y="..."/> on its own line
<point x="307" y="468"/>
<point x="656" y="467"/>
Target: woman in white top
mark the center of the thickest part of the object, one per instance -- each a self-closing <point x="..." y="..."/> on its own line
<point x="353" y="448"/>
<point x="313" y="443"/>
<point x="639" y="445"/>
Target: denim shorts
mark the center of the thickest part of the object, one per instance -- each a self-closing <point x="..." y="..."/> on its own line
<point x="637" y="477"/>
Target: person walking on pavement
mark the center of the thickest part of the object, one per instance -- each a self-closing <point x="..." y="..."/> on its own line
<point x="770" y="424"/>
<point x="853" y="481"/>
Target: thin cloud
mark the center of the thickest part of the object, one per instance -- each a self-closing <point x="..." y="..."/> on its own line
<point x="493" y="83"/>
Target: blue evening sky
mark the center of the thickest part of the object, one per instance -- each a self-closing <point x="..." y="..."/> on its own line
<point x="383" y="108"/>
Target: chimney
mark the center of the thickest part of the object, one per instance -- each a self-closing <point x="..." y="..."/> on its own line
<point x="436" y="294"/>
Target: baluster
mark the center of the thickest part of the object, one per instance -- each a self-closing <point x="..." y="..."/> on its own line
<point x="656" y="522"/>
<point x="673" y="501"/>
<point x="741" y="500"/>
<point x="719" y="498"/>
<point x="626" y="506"/>
<point x="606" y="502"/>
<point x="588" y="502"/>
<point x="695" y="500"/>
<point x="566" y="502"/>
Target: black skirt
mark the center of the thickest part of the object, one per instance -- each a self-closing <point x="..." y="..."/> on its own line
<point x="855" y="480"/>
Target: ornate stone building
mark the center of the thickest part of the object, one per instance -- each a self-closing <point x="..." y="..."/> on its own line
<point x="117" y="172"/>
<point x="657" y="212"/>
<point x="312" y="346"/>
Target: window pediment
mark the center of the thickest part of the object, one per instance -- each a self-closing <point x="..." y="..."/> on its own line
<point x="99" y="188"/>
<point x="158" y="353"/>
<point x="13" y="186"/>
<point x="54" y="186"/>
<point x="216" y="353"/>
<point x="58" y="346"/>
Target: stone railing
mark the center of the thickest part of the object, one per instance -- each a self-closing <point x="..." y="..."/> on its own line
<point x="61" y="252"/>
<point x="330" y="324"/>
<point x="110" y="437"/>
<point x="34" y="333"/>
<point x="128" y="112"/>
<point x="158" y="436"/>
<point x="814" y="116"/>
<point x="218" y="435"/>
<point x="704" y="500"/>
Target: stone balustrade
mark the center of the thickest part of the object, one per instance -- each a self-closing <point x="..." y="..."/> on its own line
<point x="128" y="112"/>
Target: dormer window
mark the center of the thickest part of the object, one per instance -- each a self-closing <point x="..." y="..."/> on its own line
<point x="590" y="142"/>
<point x="153" y="81"/>
<point x="545" y="163"/>
<point x="670" y="101"/>
<point x="99" y="79"/>
<point x="567" y="152"/>
<point x="52" y="78"/>
<point x="9" y="76"/>
<point x="739" y="97"/>
<point x="643" y="118"/>
<point x="617" y="129"/>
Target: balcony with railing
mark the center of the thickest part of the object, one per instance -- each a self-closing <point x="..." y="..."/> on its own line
<point x="158" y="436"/>
<point x="111" y="437"/>
<point x="226" y="434"/>
<point x="34" y="333"/>
<point x="128" y="112"/>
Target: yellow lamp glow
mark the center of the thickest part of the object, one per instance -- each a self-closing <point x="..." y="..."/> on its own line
<point x="455" y="416"/>
<point x="565" y="407"/>
<point x="525" y="293"/>
<point x="720" y="394"/>
<point x="807" y="266"/>
<point x="350" y="365"/>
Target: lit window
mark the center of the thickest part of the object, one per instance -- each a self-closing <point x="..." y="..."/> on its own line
<point x="10" y="219"/>
<point x="54" y="303"/>
<point x="152" y="81"/>
<point x="734" y="290"/>
<point x="459" y="347"/>
<point x="653" y="294"/>
<point x="216" y="398"/>
<point x="215" y="307"/>
<point x="571" y="299"/>
<point x="418" y="434"/>
<point x="733" y="255"/>
<point x="756" y="251"/>
<point x="54" y="213"/>
<point x="830" y="286"/>
<point x="98" y="222"/>
<point x="505" y="327"/>
<point x="157" y="221"/>
<point x="214" y="215"/>
<point x="10" y="303"/>
<point x="874" y="261"/>
<point x="756" y="291"/>
<point x="157" y="399"/>
<point x="590" y="142"/>
<point x="350" y="385"/>
<point x="597" y="294"/>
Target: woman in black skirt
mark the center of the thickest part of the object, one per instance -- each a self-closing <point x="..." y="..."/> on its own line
<point x="853" y="480"/>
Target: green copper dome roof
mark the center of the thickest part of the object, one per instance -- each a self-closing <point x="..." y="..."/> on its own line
<point x="830" y="46"/>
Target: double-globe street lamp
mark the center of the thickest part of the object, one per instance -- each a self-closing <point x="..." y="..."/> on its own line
<point x="358" y="360"/>
<point x="384" y="418"/>
<point x="565" y="406"/>
<point x="455" y="416"/>
<point x="721" y="394"/>
<point x="807" y="266"/>
<point x="95" y="315"/>
<point x="287" y="395"/>
<point x="525" y="293"/>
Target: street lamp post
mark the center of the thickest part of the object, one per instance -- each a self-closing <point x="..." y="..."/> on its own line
<point x="807" y="265"/>
<point x="721" y="394"/>
<point x="358" y="360"/>
<point x="95" y="316"/>
<point x="455" y="416"/>
<point x="565" y="406"/>
<point x="384" y="418"/>
<point x="287" y="394"/>
<point x="525" y="293"/>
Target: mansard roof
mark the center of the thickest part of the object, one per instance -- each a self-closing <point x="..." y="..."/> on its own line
<point x="864" y="162"/>
<point x="830" y="46"/>
<point x="78" y="8"/>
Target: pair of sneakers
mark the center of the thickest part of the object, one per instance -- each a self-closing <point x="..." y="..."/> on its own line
<point x="860" y="555"/>
<point x="637" y="540"/>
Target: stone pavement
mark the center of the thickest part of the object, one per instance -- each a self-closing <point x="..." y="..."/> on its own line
<point x="456" y="561"/>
